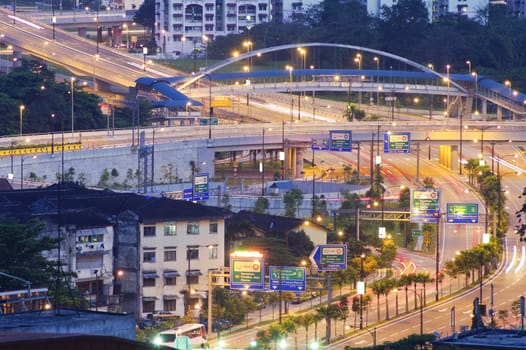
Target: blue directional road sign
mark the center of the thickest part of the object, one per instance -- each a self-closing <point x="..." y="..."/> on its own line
<point x="320" y="144"/>
<point x="292" y="278"/>
<point x="329" y="257"/>
<point x="462" y="213"/>
<point x="340" y="140"/>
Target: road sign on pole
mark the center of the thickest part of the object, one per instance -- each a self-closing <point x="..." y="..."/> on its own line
<point x="462" y="213"/>
<point x="425" y="205"/>
<point x="201" y="187"/>
<point x="320" y="144"/>
<point x="329" y="257"/>
<point x="292" y="278"/>
<point x="340" y="140"/>
<point x="247" y="273"/>
<point x="397" y="142"/>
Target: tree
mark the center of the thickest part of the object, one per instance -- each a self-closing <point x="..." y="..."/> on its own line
<point x="22" y="254"/>
<point x="145" y="15"/>
<point x="403" y="27"/>
<point x="405" y="281"/>
<point x="262" y="205"/>
<point x="306" y="320"/>
<point x="292" y="201"/>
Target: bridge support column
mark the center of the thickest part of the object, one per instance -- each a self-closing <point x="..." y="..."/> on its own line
<point x="82" y="32"/>
<point x="299" y="162"/>
<point x="499" y="113"/>
<point x="484" y="110"/>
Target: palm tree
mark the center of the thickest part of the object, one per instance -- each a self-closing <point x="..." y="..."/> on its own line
<point x="405" y="281"/>
<point x="377" y="289"/>
<point x="273" y="299"/>
<point x="276" y="333"/>
<point x="317" y="317"/>
<point x="325" y="313"/>
<point x="306" y="321"/>
<point x="388" y="285"/>
<point x="288" y="326"/>
<point x="422" y="278"/>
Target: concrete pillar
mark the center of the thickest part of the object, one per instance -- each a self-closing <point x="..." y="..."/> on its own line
<point x="499" y="113"/>
<point x="299" y="162"/>
<point x="484" y="109"/>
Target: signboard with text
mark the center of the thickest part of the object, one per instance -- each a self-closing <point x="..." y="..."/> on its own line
<point x="329" y="257"/>
<point x="320" y="144"/>
<point x="201" y="187"/>
<point x="288" y="278"/>
<point x="247" y="273"/>
<point x="340" y="140"/>
<point x="425" y="205"/>
<point x="397" y="142"/>
<point x="462" y="213"/>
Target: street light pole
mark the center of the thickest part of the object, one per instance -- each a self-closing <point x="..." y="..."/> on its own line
<point x="72" y="104"/>
<point x="144" y="53"/>
<point x="437" y="255"/>
<point x="22" y="107"/>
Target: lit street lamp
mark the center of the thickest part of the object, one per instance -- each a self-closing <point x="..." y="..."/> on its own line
<point x="22" y="107"/>
<point x="448" y="81"/>
<point x="205" y="40"/>
<point x="248" y="44"/>
<point x="72" y="105"/>
<point x="144" y="53"/>
<point x="262" y="164"/>
<point x="377" y="60"/>
<point x="192" y="253"/>
<point x="469" y="66"/>
<point x="290" y="69"/>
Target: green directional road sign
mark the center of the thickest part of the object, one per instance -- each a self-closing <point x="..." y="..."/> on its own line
<point x="416" y="233"/>
<point x="397" y="142"/>
<point x="462" y="213"/>
<point x="247" y="273"/>
<point x="340" y="140"/>
<point x="425" y="205"/>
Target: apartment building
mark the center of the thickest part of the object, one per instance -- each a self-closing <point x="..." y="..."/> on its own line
<point x="127" y="252"/>
<point x="185" y="26"/>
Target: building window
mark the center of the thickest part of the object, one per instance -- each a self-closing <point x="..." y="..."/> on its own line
<point x="170" y="229"/>
<point x="149" y="231"/>
<point x="170" y="281"/>
<point x="148" y="282"/>
<point x="148" y="306"/>
<point x="170" y="255"/>
<point x="192" y="253"/>
<point x="192" y="229"/>
<point x="148" y="256"/>
<point x="213" y="227"/>
<point x="170" y="305"/>
<point x="212" y="252"/>
<point x="192" y="279"/>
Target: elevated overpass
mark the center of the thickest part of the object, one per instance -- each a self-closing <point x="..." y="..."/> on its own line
<point x="116" y="71"/>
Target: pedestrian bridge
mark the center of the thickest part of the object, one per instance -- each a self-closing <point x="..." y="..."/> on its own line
<point x="463" y="94"/>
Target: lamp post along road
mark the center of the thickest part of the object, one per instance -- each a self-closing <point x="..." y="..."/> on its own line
<point x="22" y="107"/>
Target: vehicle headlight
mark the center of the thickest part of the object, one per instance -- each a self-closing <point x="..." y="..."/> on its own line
<point x="157" y="341"/>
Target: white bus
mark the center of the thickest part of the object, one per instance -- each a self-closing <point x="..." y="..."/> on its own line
<point x="193" y="333"/>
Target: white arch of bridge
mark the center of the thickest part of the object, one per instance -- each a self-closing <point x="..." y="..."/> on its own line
<point x="252" y="53"/>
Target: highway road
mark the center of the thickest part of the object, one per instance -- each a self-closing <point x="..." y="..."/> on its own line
<point x="81" y="55"/>
<point x="506" y="283"/>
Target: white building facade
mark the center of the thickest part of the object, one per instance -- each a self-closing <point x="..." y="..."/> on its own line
<point x="176" y="257"/>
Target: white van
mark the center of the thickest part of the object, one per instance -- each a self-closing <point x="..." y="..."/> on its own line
<point x="195" y="332"/>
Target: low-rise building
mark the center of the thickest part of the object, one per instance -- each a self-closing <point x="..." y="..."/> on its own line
<point x="128" y="253"/>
